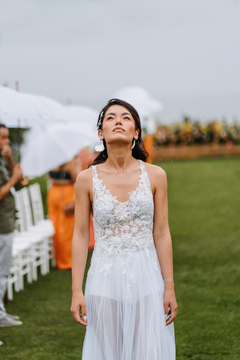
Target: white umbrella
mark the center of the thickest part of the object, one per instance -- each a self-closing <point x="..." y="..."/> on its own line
<point x="88" y="117"/>
<point x="89" y="130"/>
<point x="83" y="114"/>
<point x="130" y="91"/>
<point x="141" y="100"/>
<point x="53" y="110"/>
<point x="18" y="110"/>
<point x="28" y="110"/>
<point x="53" y="146"/>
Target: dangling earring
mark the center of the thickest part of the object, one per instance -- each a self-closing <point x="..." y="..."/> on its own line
<point x="99" y="146"/>
<point x="133" y="144"/>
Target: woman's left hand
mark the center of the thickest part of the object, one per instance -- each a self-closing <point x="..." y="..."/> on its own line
<point x="170" y="305"/>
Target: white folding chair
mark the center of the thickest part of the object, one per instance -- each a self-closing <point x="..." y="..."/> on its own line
<point x="21" y="265"/>
<point x="21" y="257"/>
<point x="13" y="278"/>
<point x="37" y="207"/>
<point x="36" y="240"/>
<point x="38" y="216"/>
<point x="35" y="231"/>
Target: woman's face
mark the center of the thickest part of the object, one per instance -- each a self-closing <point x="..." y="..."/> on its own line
<point x="118" y="125"/>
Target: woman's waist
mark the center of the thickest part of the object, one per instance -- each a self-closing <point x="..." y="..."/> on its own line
<point x="123" y="243"/>
<point x="124" y="259"/>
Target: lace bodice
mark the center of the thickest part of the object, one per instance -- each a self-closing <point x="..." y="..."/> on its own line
<point x="122" y="228"/>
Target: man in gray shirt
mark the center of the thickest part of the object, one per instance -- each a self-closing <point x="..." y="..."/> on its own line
<point x="10" y="174"/>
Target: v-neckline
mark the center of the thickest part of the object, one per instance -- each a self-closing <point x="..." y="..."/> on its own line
<point x="106" y="190"/>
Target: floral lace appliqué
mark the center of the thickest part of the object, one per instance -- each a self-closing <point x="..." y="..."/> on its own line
<point x="122" y="228"/>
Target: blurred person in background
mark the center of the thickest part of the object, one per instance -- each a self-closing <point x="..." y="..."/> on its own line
<point x="86" y="158"/>
<point x="10" y="174"/>
<point x="61" y="203"/>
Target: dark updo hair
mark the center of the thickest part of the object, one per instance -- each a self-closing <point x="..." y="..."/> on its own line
<point x="138" y="152"/>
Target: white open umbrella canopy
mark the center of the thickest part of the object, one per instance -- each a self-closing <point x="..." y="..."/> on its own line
<point x="53" y="110"/>
<point x="18" y="110"/>
<point x="84" y="114"/>
<point x="130" y="91"/>
<point x="29" y="110"/>
<point x="53" y="146"/>
<point x="140" y="98"/>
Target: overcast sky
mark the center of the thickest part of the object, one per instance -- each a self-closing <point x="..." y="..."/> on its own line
<point x="185" y="52"/>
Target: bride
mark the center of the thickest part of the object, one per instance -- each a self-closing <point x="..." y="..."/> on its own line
<point x="129" y="303"/>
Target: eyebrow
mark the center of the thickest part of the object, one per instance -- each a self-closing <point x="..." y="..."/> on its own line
<point x="125" y="113"/>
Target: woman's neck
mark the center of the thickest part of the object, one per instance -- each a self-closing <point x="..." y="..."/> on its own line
<point x="119" y="159"/>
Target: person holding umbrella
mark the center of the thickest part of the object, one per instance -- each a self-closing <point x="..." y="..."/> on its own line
<point x="10" y="174"/>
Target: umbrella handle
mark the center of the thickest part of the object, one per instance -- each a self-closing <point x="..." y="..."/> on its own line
<point x="25" y="180"/>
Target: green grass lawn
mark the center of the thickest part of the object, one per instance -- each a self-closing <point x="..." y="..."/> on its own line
<point x="204" y="208"/>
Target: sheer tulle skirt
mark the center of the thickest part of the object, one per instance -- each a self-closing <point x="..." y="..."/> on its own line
<point x="125" y="314"/>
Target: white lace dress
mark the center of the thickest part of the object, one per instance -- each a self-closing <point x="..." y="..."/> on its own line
<point x="124" y="289"/>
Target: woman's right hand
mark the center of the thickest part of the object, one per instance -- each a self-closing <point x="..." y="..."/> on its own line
<point x="78" y="308"/>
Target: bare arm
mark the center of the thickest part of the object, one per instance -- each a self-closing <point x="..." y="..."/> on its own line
<point x="80" y="244"/>
<point x="16" y="176"/>
<point x="163" y="241"/>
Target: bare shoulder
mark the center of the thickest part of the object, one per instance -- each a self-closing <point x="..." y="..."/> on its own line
<point x="84" y="180"/>
<point x="155" y="172"/>
<point x="157" y="177"/>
